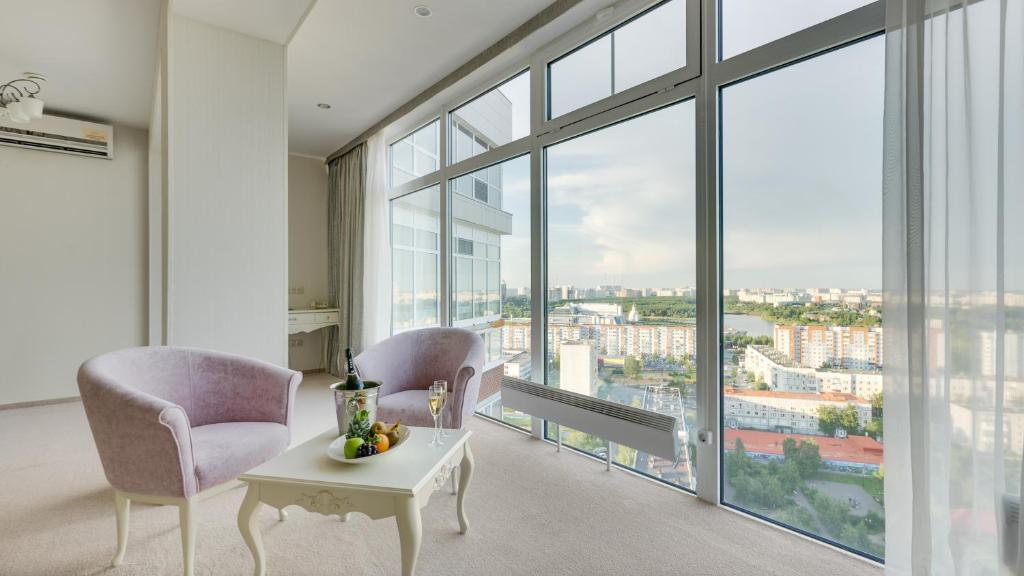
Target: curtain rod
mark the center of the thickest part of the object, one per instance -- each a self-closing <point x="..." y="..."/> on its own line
<point x="538" y="21"/>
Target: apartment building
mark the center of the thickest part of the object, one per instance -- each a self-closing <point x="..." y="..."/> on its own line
<point x="775" y="369"/>
<point x="850" y="347"/>
<point x="793" y="412"/>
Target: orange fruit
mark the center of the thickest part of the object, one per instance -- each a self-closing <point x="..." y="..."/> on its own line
<point x="382" y="443"/>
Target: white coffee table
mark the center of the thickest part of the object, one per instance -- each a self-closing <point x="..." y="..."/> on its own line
<point x="397" y="485"/>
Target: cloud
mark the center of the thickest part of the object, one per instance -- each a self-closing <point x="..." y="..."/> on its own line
<point x="621" y="205"/>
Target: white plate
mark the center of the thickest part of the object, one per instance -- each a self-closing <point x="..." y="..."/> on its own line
<point x="336" y="451"/>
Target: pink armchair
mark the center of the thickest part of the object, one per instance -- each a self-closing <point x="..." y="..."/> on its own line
<point x="408" y="363"/>
<point x="175" y="425"/>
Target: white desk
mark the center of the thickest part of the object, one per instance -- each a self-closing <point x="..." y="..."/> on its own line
<point x="300" y="321"/>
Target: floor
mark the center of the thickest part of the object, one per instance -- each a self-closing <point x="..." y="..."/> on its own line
<point x="532" y="511"/>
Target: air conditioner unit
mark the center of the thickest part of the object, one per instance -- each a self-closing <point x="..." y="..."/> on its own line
<point x="55" y="134"/>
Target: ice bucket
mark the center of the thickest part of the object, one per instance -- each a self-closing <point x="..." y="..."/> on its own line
<point x="348" y="402"/>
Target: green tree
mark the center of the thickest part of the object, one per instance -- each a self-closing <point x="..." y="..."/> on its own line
<point x="876" y="405"/>
<point x="632" y="367"/>
<point x="831" y="418"/>
<point x="874" y="427"/>
<point x="849" y="419"/>
<point x="828" y="420"/>
<point x="789" y="476"/>
<point x="804" y="456"/>
<point x="582" y="440"/>
<point x="737" y="461"/>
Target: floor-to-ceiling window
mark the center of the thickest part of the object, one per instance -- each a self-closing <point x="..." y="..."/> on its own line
<point x="802" y="276"/>
<point x="490" y="227"/>
<point x="675" y="206"/>
<point x="621" y="270"/>
<point x="801" y="193"/>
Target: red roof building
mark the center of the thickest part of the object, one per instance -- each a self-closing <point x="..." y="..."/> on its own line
<point x="854" y="449"/>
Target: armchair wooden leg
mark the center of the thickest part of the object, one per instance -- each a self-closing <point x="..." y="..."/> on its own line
<point x="187" y="516"/>
<point x="122" y="506"/>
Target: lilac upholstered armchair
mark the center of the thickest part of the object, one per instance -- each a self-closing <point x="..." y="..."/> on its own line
<point x="175" y="425"/>
<point x="408" y="363"/>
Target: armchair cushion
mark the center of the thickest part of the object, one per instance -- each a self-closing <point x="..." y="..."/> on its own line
<point x="231" y="388"/>
<point x="410" y="407"/>
<point x="221" y="451"/>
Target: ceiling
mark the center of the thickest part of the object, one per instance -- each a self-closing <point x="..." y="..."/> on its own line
<point x="274" y="20"/>
<point x="98" y="67"/>
<point x="367" y="58"/>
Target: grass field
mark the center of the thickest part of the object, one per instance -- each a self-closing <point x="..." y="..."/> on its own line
<point x="872" y="485"/>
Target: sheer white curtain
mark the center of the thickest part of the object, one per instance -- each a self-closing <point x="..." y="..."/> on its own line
<point x="954" y="281"/>
<point x="377" y="246"/>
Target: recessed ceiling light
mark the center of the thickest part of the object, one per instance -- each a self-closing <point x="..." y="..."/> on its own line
<point x="323" y="106"/>
<point x="422" y="11"/>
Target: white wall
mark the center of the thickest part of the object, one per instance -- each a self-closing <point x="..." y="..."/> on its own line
<point x="72" y="263"/>
<point x="307" y="252"/>
<point x="226" y="214"/>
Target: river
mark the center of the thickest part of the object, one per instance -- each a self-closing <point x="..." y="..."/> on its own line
<point x="749" y="323"/>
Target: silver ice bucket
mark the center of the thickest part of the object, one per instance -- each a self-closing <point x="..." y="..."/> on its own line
<point x="348" y="402"/>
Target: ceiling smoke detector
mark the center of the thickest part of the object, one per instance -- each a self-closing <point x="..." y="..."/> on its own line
<point x="422" y="11"/>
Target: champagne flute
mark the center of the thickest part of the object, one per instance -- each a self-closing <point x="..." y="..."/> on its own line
<point x="435" y="402"/>
<point x="443" y="385"/>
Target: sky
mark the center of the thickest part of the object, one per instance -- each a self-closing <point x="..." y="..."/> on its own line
<point x="801" y="166"/>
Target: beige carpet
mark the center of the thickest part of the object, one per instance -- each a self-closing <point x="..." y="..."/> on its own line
<point x="532" y="512"/>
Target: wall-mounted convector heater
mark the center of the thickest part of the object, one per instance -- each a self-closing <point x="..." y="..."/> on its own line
<point x="644" y="430"/>
<point x="1011" y="526"/>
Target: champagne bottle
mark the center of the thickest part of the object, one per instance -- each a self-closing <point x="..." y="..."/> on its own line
<point x="352" y="381"/>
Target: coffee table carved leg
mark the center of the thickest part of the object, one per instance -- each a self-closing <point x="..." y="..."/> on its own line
<point x="465" y="475"/>
<point x="247" y="525"/>
<point x="410" y="532"/>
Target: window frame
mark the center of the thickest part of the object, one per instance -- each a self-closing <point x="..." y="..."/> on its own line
<point x="391" y="156"/>
<point x="702" y="78"/>
<point x="859" y="26"/>
<point x="504" y="77"/>
<point x="621" y="15"/>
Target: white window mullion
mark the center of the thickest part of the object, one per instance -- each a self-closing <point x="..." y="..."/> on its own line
<point x="444" y="295"/>
<point x="708" y="273"/>
<point x="538" y="264"/>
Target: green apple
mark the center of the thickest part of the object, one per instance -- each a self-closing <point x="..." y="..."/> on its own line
<point x="351" y="445"/>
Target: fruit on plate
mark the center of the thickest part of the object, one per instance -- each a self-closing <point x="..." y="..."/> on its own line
<point x="392" y="434"/>
<point x="360" y="429"/>
<point x="352" y="446"/>
<point x="382" y="443"/>
<point x="379" y="427"/>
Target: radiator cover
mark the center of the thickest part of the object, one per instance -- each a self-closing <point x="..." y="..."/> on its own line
<point x="647" y="431"/>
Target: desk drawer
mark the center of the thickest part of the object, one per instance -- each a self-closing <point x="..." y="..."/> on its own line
<point x="302" y="317"/>
<point x="326" y="318"/>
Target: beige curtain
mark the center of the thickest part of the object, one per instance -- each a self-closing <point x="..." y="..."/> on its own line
<point x="346" y="200"/>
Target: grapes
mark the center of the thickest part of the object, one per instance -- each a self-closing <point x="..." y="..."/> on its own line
<point x="365" y="450"/>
